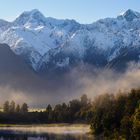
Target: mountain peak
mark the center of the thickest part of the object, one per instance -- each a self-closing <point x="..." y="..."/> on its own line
<point x="130" y="15"/>
<point x="34" y="11"/>
<point x="33" y="16"/>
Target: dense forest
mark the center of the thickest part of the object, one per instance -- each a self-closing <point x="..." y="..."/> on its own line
<point x="111" y="116"/>
<point x="117" y="117"/>
<point x="79" y="111"/>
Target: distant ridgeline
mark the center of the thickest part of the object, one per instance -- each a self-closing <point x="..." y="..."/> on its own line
<point x="48" y="44"/>
<point x="111" y="116"/>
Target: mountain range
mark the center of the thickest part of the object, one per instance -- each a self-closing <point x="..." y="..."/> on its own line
<point x="48" y="44"/>
<point x="43" y="59"/>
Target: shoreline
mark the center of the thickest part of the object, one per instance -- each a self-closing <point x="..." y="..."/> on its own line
<point x="66" y="128"/>
<point x="45" y="125"/>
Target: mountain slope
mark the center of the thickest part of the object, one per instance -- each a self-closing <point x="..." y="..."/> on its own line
<point x="21" y="83"/>
<point x="49" y="44"/>
<point x="13" y="68"/>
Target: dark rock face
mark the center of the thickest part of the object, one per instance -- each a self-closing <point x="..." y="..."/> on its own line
<point x="120" y="63"/>
<point x="130" y="15"/>
<point x="50" y="45"/>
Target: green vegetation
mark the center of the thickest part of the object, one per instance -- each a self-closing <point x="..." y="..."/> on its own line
<point x="112" y="116"/>
<point x="117" y="117"/>
<point x="76" y="111"/>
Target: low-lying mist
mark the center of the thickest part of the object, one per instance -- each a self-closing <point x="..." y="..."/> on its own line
<point x="38" y="92"/>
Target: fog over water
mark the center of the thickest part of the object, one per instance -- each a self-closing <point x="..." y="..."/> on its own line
<point x="65" y="129"/>
<point x="65" y="132"/>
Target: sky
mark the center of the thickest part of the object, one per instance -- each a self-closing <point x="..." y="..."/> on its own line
<point x="84" y="11"/>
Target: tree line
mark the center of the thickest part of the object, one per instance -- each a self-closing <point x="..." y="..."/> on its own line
<point x="117" y="116"/>
<point x="11" y="107"/>
<point x="111" y="116"/>
<point x="77" y="110"/>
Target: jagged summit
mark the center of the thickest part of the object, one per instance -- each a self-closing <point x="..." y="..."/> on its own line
<point x="130" y="15"/>
<point x="33" y="17"/>
<point x="49" y="43"/>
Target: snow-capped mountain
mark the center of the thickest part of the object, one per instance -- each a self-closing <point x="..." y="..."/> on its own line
<point x="51" y="43"/>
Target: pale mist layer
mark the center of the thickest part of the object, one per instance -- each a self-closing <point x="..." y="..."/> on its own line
<point x="38" y="92"/>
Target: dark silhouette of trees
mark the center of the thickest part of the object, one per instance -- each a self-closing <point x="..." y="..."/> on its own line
<point x="117" y="117"/>
<point x="49" y="108"/>
<point x="111" y="116"/>
<point x="18" y="109"/>
<point x="24" y="108"/>
<point x="75" y="111"/>
<point x="84" y="99"/>
<point x="12" y="107"/>
<point x="136" y="122"/>
<point x="6" y="106"/>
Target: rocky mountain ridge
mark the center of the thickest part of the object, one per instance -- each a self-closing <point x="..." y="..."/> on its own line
<point x="50" y="44"/>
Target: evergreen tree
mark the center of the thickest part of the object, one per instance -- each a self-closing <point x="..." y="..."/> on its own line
<point x="136" y="122"/>
<point x="84" y="99"/>
<point x="6" y="107"/>
<point x="12" y="107"/>
<point x="49" y="108"/>
<point x="17" y="110"/>
<point x="24" y="108"/>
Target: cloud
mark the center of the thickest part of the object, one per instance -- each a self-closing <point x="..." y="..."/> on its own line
<point x="108" y="81"/>
<point x="64" y="87"/>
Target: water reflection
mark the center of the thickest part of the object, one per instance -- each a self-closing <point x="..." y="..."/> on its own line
<point x="45" y="133"/>
<point x="45" y="137"/>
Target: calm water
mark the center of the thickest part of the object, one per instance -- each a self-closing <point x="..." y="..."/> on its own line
<point x="46" y="133"/>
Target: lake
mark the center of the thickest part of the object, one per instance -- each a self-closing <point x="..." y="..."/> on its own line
<point x="46" y="132"/>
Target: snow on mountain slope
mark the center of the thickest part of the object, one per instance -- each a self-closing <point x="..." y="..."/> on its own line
<point x="31" y="19"/>
<point x="40" y="40"/>
<point x="33" y="34"/>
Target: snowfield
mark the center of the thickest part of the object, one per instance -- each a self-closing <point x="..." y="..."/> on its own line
<point x="40" y="40"/>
